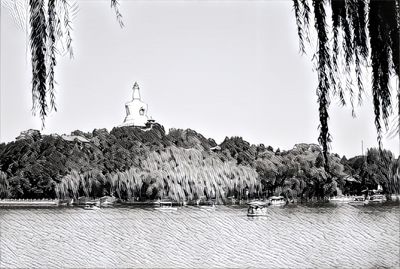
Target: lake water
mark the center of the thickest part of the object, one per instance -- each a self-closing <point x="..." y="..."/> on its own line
<point x="302" y="236"/>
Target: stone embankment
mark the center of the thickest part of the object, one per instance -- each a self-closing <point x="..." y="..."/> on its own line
<point x="29" y="202"/>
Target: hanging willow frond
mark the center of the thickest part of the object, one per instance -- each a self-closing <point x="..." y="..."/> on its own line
<point x="50" y="34"/>
<point x="306" y="16"/>
<point x="68" y="28"/>
<point x="355" y="10"/>
<point x="354" y="22"/>
<point x="46" y="33"/>
<point x="299" y="22"/>
<point x="38" y="48"/>
<point x="18" y="10"/>
<point x="51" y="9"/>
<point x="379" y="28"/>
<point x="324" y="66"/>
<point x="348" y="48"/>
<point x="337" y="6"/>
<point x="115" y="4"/>
<point x="394" y="30"/>
<point x="63" y="25"/>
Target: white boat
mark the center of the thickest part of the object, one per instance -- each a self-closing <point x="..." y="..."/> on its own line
<point x="395" y="197"/>
<point x="277" y="200"/>
<point x="358" y="200"/>
<point x="257" y="208"/>
<point x="341" y="199"/>
<point x="107" y="204"/>
<point x="165" y="206"/>
<point x="91" y="207"/>
<point x="107" y="201"/>
<point x="375" y="199"/>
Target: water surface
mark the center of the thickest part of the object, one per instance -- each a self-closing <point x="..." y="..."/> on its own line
<point x="312" y="236"/>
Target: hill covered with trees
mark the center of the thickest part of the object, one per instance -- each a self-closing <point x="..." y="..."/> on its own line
<point x="183" y="165"/>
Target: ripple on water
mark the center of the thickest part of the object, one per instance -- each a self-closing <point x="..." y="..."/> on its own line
<point x="294" y="236"/>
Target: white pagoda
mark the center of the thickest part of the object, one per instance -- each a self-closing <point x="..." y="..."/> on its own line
<point x="136" y="110"/>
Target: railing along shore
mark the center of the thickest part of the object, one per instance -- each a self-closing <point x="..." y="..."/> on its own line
<point x="29" y="202"/>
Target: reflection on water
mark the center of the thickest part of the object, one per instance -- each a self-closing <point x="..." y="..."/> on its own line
<point x="301" y="236"/>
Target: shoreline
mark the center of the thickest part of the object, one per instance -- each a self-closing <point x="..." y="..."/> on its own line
<point x="46" y="203"/>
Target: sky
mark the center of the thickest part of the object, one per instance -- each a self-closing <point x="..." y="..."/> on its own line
<point x="221" y="68"/>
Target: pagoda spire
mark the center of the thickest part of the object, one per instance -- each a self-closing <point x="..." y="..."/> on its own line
<point x="136" y="91"/>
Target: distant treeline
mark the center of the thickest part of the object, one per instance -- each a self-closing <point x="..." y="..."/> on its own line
<point x="182" y="165"/>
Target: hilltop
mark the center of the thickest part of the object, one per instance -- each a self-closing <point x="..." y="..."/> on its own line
<point x="148" y="163"/>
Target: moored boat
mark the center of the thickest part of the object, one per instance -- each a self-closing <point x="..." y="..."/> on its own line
<point x="91" y="207"/>
<point x="210" y="206"/>
<point x="107" y="204"/>
<point x="165" y="206"/>
<point x="375" y="199"/>
<point x="357" y="201"/>
<point x="107" y="201"/>
<point x="257" y="208"/>
<point x="277" y="200"/>
<point x="341" y="199"/>
<point x="395" y="197"/>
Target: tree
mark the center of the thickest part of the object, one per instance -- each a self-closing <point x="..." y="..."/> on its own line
<point x="379" y="170"/>
<point x="4" y="185"/>
<point x="364" y="31"/>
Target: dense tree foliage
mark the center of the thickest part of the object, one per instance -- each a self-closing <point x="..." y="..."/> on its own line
<point x="135" y="163"/>
<point x="377" y="167"/>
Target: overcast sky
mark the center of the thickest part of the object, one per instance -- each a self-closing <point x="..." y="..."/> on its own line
<point x="222" y="68"/>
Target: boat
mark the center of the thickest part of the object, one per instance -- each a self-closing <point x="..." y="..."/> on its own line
<point x="107" y="201"/>
<point x="165" y="206"/>
<point x="257" y="208"/>
<point x="375" y="199"/>
<point x="374" y="196"/>
<point x="107" y="204"/>
<point x="210" y="206"/>
<point x="277" y="200"/>
<point x="395" y="197"/>
<point x="341" y="199"/>
<point x="91" y="207"/>
<point x="358" y="200"/>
